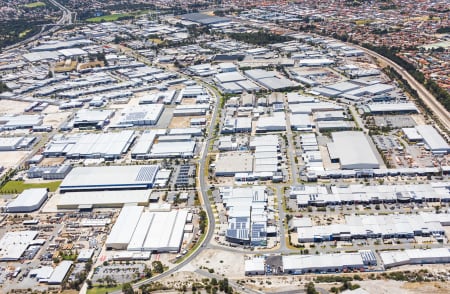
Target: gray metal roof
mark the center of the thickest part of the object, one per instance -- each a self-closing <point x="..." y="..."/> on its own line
<point x="109" y="177"/>
<point x="28" y="198"/>
<point x="432" y="138"/>
<point x="125" y="226"/>
<point x="353" y="150"/>
<point x="60" y="272"/>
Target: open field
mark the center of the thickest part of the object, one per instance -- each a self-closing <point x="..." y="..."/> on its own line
<point x="24" y="33"/>
<point x="19" y="186"/>
<point x="114" y="17"/>
<point x="223" y="262"/>
<point x="35" y="4"/>
<point x="111" y="17"/>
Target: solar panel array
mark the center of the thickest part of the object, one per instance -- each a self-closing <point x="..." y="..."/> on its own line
<point x="146" y="174"/>
<point x="186" y="172"/>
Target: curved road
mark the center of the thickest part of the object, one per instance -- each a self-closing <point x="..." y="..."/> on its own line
<point x="204" y="196"/>
<point x="427" y="97"/>
<point x="67" y="14"/>
<point x="66" y="18"/>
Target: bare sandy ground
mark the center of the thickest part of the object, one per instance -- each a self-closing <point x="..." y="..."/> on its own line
<point x="54" y="117"/>
<point x="11" y="158"/>
<point x="12" y="107"/>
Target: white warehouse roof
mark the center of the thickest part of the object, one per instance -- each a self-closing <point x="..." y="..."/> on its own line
<point x="60" y="272"/>
<point x="136" y="230"/>
<point x="13" y="244"/>
<point x="415" y="256"/>
<point x="110" y="177"/>
<point x="229" y="77"/>
<point x="353" y="150"/>
<point x="147" y="114"/>
<point x="74" y="200"/>
<point x="124" y="227"/>
<point x="433" y="139"/>
<point x="28" y="200"/>
<point x="305" y="263"/>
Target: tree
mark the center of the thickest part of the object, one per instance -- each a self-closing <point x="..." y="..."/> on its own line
<point x="89" y="284"/>
<point x="88" y="266"/>
<point x="110" y="282"/>
<point x="157" y="266"/>
<point x="310" y="288"/>
<point x="147" y="272"/>
<point x="203" y="221"/>
<point x="127" y="289"/>
<point x="3" y="87"/>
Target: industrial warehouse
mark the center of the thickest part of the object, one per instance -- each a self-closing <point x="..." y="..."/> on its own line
<point x="400" y="226"/>
<point x="139" y="230"/>
<point x="247" y="215"/>
<point x="102" y="199"/>
<point x="160" y="144"/>
<point x="14" y="244"/>
<point x="29" y="200"/>
<point x="362" y="260"/>
<point x="168" y="152"/>
<point x="100" y="178"/>
<point x="361" y="194"/>
<point x="357" y="155"/>
<point x="91" y="145"/>
<point x="262" y="163"/>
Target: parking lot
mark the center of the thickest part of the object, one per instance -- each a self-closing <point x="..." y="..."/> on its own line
<point x="119" y="272"/>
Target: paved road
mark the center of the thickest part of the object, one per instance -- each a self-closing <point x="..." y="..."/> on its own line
<point x="203" y="195"/>
<point x="437" y="108"/>
<point x="66" y="18"/>
<point x="67" y="14"/>
<point x="281" y="221"/>
<point x="290" y="148"/>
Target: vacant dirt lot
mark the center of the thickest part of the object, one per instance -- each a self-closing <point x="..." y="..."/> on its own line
<point x="12" y="107"/>
<point x="180" y="122"/>
<point x="11" y="158"/>
<point x="52" y="161"/>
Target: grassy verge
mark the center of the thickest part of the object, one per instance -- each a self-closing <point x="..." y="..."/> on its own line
<point x="103" y="290"/>
<point x="289" y="246"/>
<point x="24" y="33"/>
<point x="19" y="186"/>
<point x="193" y="249"/>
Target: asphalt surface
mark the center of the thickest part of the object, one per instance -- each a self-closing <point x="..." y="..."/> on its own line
<point x="66" y="19"/>
<point x="205" y="199"/>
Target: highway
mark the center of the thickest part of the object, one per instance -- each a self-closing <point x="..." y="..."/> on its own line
<point x="66" y="19"/>
<point x="427" y="97"/>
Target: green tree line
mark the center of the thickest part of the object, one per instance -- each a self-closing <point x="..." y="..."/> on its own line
<point x="260" y="38"/>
